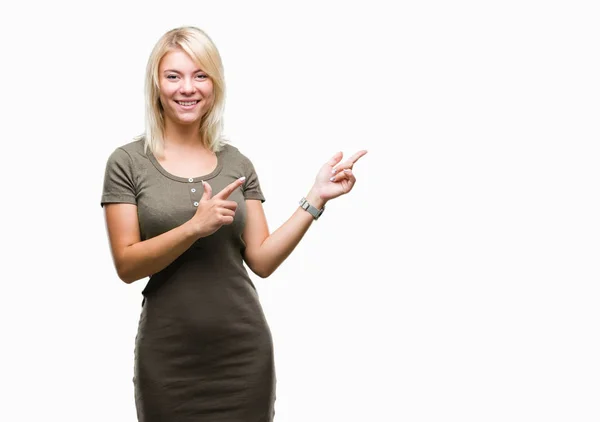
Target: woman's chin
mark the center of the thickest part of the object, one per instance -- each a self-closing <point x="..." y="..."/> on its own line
<point x="187" y="120"/>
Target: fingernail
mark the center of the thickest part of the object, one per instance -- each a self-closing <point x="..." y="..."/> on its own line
<point x="332" y="179"/>
<point x="333" y="171"/>
<point x="242" y="178"/>
<point x="347" y="170"/>
<point x="202" y="182"/>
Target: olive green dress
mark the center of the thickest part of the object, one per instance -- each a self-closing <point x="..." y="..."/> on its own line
<point x="203" y="351"/>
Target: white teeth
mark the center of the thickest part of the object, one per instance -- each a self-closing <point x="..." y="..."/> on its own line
<point x="187" y="103"/>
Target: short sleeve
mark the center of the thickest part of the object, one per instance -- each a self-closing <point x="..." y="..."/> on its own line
<point x="119" y="186"/>
<point x="251" y="187"/>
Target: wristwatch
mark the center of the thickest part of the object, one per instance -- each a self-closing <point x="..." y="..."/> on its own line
<point x="316" y="213"/>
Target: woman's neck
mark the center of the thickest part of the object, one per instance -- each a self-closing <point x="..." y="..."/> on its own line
<point x="182" y="135"/>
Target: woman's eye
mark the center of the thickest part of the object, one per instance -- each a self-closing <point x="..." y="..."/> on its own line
<point x="172" y="77"/>
<point x="201" y="76"/>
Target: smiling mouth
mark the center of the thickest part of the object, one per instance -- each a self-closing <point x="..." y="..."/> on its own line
<point x="187" y="103"/>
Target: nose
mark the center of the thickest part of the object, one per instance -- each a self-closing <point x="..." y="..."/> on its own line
<point x="187" y="86"/>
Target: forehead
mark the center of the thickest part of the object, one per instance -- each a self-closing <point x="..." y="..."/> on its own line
<point x="177" y="60"/>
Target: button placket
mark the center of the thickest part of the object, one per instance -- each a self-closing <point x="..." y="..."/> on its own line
<point x="195" y="197"/>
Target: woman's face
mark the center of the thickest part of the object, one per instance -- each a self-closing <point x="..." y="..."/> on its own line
<point x="186" y="92"/>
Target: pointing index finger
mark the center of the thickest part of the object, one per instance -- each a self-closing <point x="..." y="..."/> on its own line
<point x="228" y="190"/>
<point x="356" y="156"/>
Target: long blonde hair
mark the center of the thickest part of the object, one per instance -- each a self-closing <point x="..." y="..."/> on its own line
<point x="198" y="45"/>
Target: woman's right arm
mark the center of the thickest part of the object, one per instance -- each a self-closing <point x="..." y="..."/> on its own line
<point x="135" y="259"/>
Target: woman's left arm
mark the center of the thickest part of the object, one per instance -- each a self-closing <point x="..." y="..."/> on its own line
<point x="265" y="252"/>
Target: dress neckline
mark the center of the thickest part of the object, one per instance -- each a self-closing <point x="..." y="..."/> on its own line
<point x="171" y="176"/>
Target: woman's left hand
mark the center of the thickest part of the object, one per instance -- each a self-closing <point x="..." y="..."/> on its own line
<point x="335" y="178"/>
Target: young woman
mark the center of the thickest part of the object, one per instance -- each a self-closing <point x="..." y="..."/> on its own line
<point x="184" y="208"/>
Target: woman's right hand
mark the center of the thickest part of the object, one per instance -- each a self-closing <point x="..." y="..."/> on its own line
<point x="215" y="211"/>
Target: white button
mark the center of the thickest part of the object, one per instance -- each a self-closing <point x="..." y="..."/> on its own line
<point x="195" y="204"/>
<point x="193" y="190"/>
<point x="190" y="179"/>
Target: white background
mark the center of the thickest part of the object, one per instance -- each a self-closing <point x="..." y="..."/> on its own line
<point x="458" y="281"/>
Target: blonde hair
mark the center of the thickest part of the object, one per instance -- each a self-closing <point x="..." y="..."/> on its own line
<point x="197" y="44"/>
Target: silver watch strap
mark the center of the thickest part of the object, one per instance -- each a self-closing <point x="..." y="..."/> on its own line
<point x="315" y="212"/>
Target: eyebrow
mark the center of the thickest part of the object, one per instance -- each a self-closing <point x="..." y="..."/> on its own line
<point x="177" y="71"/>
